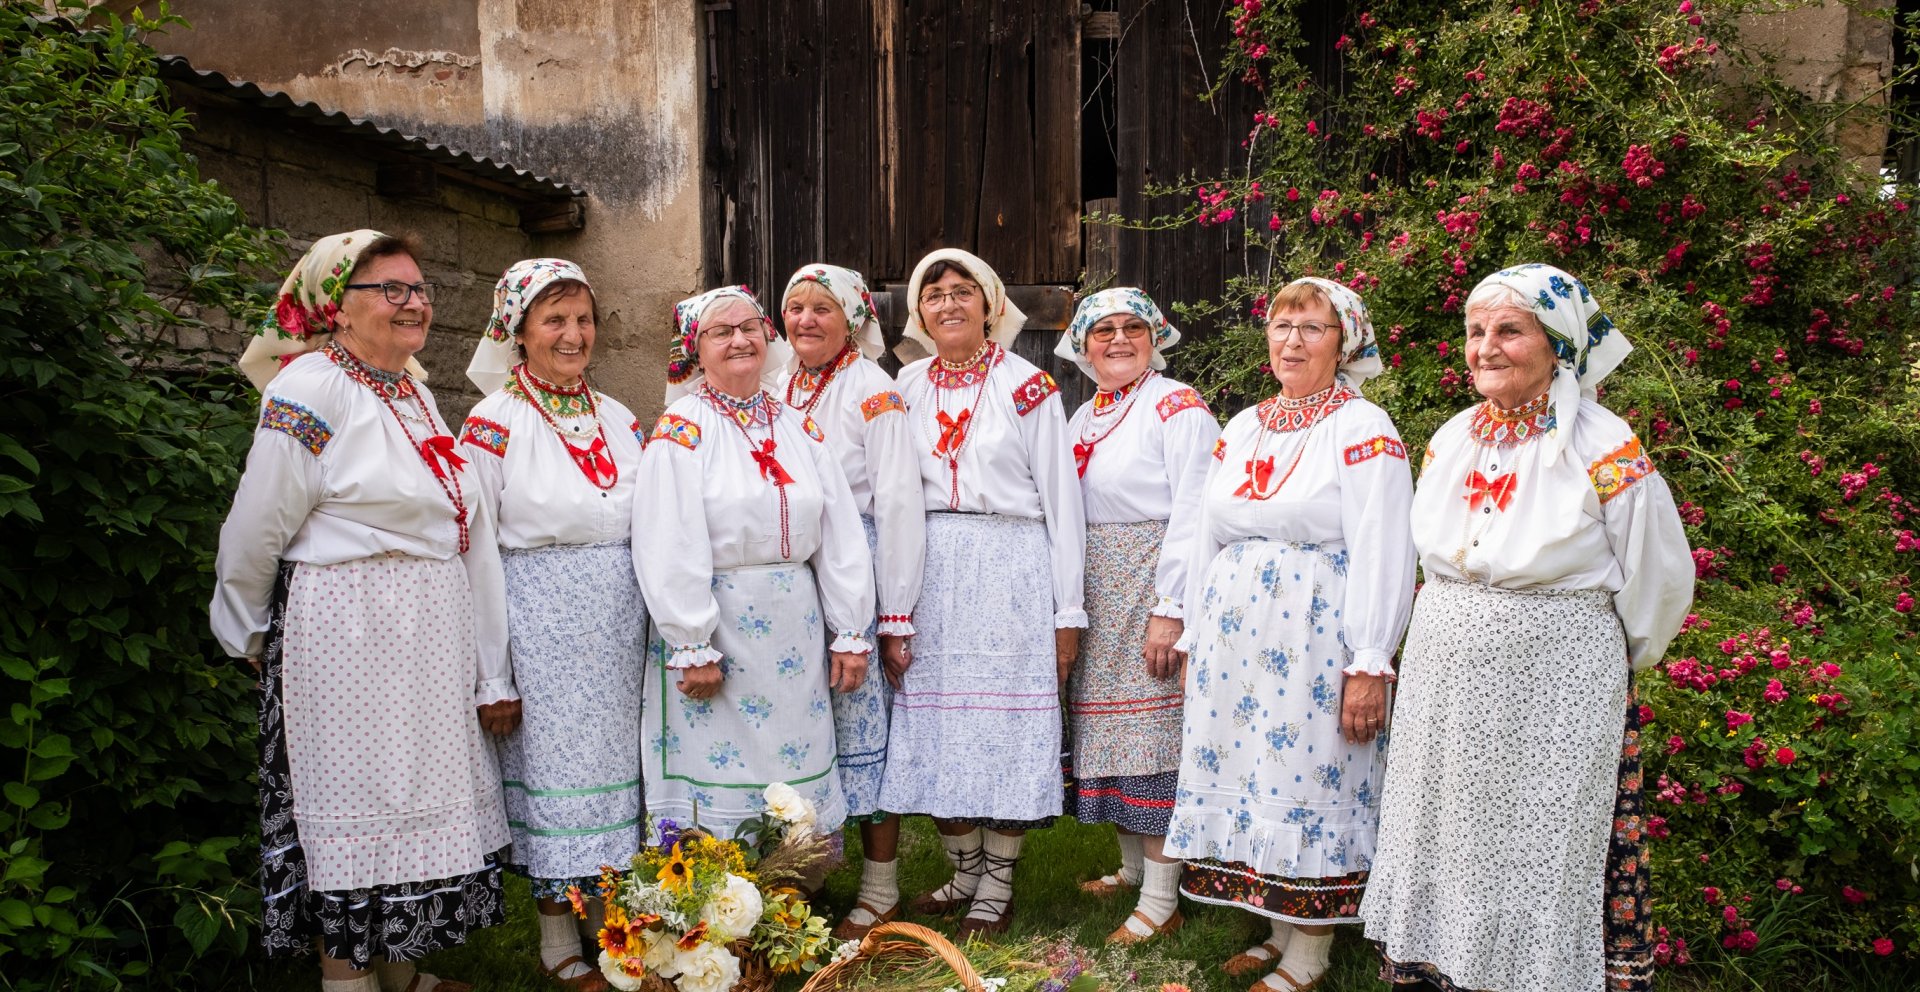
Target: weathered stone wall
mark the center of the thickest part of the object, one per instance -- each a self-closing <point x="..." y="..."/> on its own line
<point x="601" y="93"/>
<point x="1837" y="53"/>
<point x="311" y="184"/>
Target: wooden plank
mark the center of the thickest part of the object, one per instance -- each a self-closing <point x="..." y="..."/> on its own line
<point x="889" y="250"/>
<point x="792" y="128"/>
<point x="923" y="167"/>
<point x="1103" y="252"/>
<point x="848" y="145"/>
<point x="1006" y="194"/>
<point x="1057" y="130"/>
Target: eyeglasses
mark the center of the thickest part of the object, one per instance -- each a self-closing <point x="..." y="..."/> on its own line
<point x="753" y="326"/>
<point x="1134" y="331"/>
<point x="398" y="293"/>
<point x="936" y="299"/>
<point x="1310" y="331"/>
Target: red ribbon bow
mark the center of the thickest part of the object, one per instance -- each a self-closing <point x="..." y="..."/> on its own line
<point x="953" y="432"/>
<point x="1498" y="491"/>
<point x="1258" y="475"/>
<point x="437" y="451"/>
<point x="593" y="459"/>
<point x="1081" y="454"/>
<point x="769" y="466"/>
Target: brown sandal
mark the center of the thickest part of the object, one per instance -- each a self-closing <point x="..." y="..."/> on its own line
<point x="1101" y="888"/>
<point x="849" y="930"/>
<point x="1243" y="962"/>
<point x="1125" y="937"/>
<point x="971" y="927"/>
<point x="589" y="981"/>
<point x="1292" y="986"/>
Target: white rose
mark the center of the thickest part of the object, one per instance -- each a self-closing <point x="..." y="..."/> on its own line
<point x="707" y="968"/>
<point x="733" y="911"/>
<point x="787" y="804"/>
<point x="660" y="953"/>
<point x="617" y="977"/>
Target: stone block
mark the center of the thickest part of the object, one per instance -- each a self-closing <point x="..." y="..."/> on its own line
<point x="438" y="227"/>
<point x="241" y="177"/>
<point x="491" y="248"/>
<point x="309" y="206"/>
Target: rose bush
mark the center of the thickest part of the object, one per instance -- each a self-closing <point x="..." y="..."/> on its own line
<point x="1769" y="292"/>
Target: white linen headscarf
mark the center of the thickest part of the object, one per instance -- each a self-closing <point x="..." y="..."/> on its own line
<point x="683" y="359"/>
<point x="846" y="286"/>
<point x="1359" y="352"/>
<point x="307" y="310"/>
<point x="1586" y="344"/>
<point x="1004" y="320"/>
<point x="495" y="355"/>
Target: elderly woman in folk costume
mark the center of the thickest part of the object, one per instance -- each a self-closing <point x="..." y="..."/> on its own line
<point x="1300" y="583"/>
<point x="975" y="740"/>
<point x="756" y="573"/>
<point x="343" y="577"/>
<point x="1555" y="566"/>
<point x="1142" y="447"/>
<point x="835" y="335"/>
<point x="555" y="464"/>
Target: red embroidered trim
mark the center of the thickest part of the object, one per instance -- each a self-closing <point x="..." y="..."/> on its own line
<point x="1619" y="469"/>
<point x="1375" y="447"/>
<point x="1220" y="449"/>
<point x="1028" y="396"/>
<point x="896" y="618"/>
<point x="485" y="435"/>
<point x="1276" y="417"/>
<point x="638" y="434"/>
<point x="1178" y="400"/>
<point x="879" y="403"/>
<point x="812" y="429"/>
<point x="677" y="429"/>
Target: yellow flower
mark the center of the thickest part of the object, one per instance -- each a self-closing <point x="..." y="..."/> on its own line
<point x="676" y="874"/>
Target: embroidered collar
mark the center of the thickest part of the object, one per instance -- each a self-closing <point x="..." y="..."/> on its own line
<point x="1283" y="415"/>
<point x="392" y="385"/>
<point x="967" y="374"/>
<point x="1494" y="427"/>
<point x="810" y="382"/>
<point x="757" y="410"/>
<point x="558" y="401"/>
<point x="1104" y="400"/>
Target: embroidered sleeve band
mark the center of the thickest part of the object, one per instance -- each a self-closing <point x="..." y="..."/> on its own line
<point x="1375" y="447"/>
<point x="1178" y="400"/>
<point x="297" y="422"/>
<point x="1220" y="449"/>
<point x="692" y="655"/>
<point x="879" y="403"/>
<point x="1028" y="396"/>
<point x="678" y="429"/>
<point x="485" y="435"/>
<point x="1617" y="471"/>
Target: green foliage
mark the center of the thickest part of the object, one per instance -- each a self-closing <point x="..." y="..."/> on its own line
<point x="1769" y="291"/>
<point x="127" y="749"/>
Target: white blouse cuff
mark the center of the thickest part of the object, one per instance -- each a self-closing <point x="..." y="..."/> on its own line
<point x="1370" y="661"/>
<point x="693" y="655"/>
<point x="851" y="642"/>
<point x="1168" y="607"/>
<point x="896" y="624"/>
<point x="1075" y="617"/>
<point x="494" y="691"/>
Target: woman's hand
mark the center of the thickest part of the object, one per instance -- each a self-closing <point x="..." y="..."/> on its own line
<point x="847" y="672"/>
<point x="501" y="718"/>
<point x="896" y="654"/>
<point x="702" y="682"/>
<point x="1163" y="662"/>
<point x="1363" y="707"/>
<point x="254" y="660"/>
<point x="1066" y="647"/>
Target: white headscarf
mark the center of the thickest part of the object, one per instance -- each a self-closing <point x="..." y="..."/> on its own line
<point x="683" y="359"/>
<point x="1107" y="302"/>
<point x="307" y="311"/>
<point x="1359" y="353"/>
<point x="846" y="286"/>
<point x="1004" y="320"/>
<point x="1585" y="342"/>
<point x="495" y="356"/>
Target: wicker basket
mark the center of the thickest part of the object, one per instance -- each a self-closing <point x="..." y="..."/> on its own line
<point x="882" y="946"/>
<point x="755" y="976"/>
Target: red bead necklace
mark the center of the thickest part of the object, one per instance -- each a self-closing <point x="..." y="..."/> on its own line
<point x="944" y="375"/>
<point x="1128" y="394"/>
<point x="593" y="460"/>
<point x="763" y="457"/>
<point x="436" y="450"/>
<point x="846" y="357"/>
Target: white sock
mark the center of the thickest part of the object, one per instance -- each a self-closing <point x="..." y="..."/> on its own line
<point x="995" y="894"/>
<point x="559" y="940"/>
<point x="1305" y="960"/>
<point x="1133" y="855"/>
<point x="1159" y="896"/>
<point x="364" y="983"/>
<point x="879" y="888"/>
<point x="589" y="925"/>
<point x="963" y="852"/>
<point x="1280" y="936"/>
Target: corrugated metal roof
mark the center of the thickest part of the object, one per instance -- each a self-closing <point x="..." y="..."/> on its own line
<point x="534" y="186"/>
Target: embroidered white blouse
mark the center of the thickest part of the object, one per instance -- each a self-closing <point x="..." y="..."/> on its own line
<point x="332" y="478"/>
<point x="702" y="506"/>
<point x="865" y="421"/>
<point x="1488" y="509"/>
<point x="1016" y="459"/>
<point x="1146" y="458"/>
<point x="535" y="495"/>
<point x="1346" y="484"/>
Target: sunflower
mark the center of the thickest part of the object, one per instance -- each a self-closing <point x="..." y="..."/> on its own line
<point x="675" y="875"/>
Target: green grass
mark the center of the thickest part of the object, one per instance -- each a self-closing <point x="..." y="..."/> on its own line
<point x="1049" y="902"/>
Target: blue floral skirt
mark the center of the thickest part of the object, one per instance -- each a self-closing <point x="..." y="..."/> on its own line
<point x="860" y="725"/>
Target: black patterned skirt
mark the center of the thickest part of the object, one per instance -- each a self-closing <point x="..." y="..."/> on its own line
<point x="400" y="922"/>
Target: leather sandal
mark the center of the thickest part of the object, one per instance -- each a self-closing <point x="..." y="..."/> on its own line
<point x="1292" y="986"/>
<point x="929" y="905"/>
<point x="1101" y="888"/>
<point x="1243" y="962"/>
<point x="589" y="981"/>
<point x="849" y="930"/>
<point x="971" y="926"/>
<point x="1126" y="937"/>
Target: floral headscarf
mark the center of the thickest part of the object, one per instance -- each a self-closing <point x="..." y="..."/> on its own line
<point x="863" y="324"/>
<point x="683" y="359"/>
<point x="495" y="355"/>
<point x="1359" y="353"/>
<point x="1106" y="303"/>
<point x="1004" y="320"/>
<point x="1585" y="342"/>
<point x="305" y="314"/>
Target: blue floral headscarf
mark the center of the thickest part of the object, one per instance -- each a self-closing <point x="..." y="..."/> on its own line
<point x="1585" y="342"/>
<point x="1106" y="303"/>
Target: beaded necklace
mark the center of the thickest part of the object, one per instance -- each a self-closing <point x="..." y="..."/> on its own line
<point x="1495" y="430"/>
<point x="953" y="376"/>
<point x="817" y="380"/>
<point x="1282" y="415"/>
<point x="749" y="411"/>
<point x="592" y="460"/>
<point x="1492" y="425"/>
<point x="1123" y="400"/>
<point x="437" y="450"/>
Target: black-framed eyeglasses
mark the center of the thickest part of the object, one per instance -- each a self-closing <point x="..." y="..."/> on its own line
<point x="753" y="326"/>
<point x="1310" y="331"/>
<point x="398" y="293"/>
<point x="934" y="299"/>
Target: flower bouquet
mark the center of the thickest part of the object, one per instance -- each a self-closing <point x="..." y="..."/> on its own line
<point x="699" y="914"/>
